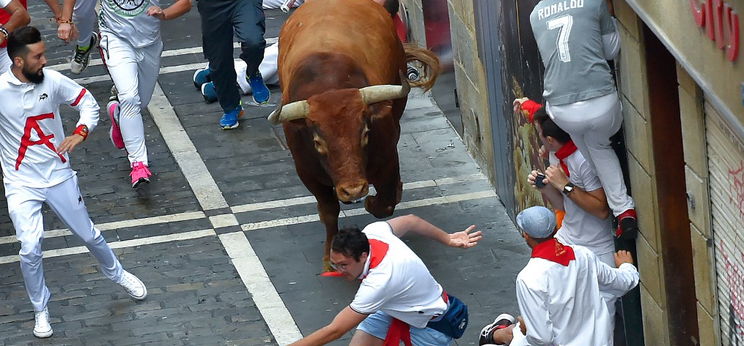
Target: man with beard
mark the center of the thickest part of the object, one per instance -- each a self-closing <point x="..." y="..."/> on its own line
<point x="34" y="154"/>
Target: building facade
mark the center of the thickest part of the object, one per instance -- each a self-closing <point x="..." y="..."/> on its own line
<point x="681" y="78"/>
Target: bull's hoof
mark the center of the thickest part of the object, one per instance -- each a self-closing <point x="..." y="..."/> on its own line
<point x="327" y="265"/>
<point x="379" y="210"/>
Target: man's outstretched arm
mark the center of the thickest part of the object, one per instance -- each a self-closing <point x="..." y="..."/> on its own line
<point x="464" y="239"/>
<point x="342" y="323"/>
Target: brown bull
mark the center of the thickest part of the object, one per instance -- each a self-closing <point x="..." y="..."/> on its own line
<point x="340" y="69"/>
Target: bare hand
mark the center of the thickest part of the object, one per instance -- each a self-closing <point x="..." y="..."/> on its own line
<point x="69" y="143"/>
<point x="156" y="12"/>
<point x="517" y="103"/>
<point x="623" y="256"/>
<point x="542" y="152"/>
<point x="465" y="239"/>
<point x="532" y="177"/>
<point x="522" y="325"/>
<point x="556" y="177"/>
<point x="66" y="32"/>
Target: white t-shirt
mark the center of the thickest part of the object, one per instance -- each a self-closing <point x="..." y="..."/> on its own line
<point x="4" y="3"/>
<point x="566" y="304"/>
<point x="129" y="20"/>
<point x="580" y="227"/>
<point x="31" y="128"/>
<point x="397" y="282"/>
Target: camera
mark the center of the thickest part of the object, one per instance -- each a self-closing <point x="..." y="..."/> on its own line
<point x="539" y="180"/>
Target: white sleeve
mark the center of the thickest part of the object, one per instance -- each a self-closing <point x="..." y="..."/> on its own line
<point x="79" y="98"/>
<point x="4" y="3"/>
<point x="616" y="281"/>
<point x="589" y="179"/>
<point x="611" y="42"/>
<point x="533" y="307"/>
<point x="371" y="294"/>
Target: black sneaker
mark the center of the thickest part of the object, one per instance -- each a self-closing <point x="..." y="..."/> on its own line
<point x="502" y="321"/>
<point x="82" y="56"/>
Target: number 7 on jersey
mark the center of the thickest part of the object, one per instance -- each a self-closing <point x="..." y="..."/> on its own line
<point x="564" y="24"/>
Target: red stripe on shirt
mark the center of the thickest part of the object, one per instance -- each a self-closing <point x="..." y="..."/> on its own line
<point x="80" y="97"/>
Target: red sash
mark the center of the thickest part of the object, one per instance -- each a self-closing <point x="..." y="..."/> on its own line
<point x="401" y="331"/>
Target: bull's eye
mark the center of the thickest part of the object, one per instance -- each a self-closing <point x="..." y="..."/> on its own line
<point x="319" y="144"/>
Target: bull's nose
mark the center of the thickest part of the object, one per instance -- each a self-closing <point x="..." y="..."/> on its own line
<point x="350" y="192"/>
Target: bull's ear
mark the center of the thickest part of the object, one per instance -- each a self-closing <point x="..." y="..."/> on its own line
<point x="380" y="110"/>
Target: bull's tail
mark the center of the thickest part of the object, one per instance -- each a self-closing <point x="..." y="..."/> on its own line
<point x="426" y="64"/>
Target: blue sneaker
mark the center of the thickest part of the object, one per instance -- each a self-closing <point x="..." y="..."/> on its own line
<point x="229" y="120"/>
<point x="201" y="76"/>
<point x="209" y="92"/>
<point x="261" y="93"/>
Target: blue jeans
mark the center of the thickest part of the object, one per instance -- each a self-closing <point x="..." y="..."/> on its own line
<point x="220" y="20"/>
<point x="378" y="323"/>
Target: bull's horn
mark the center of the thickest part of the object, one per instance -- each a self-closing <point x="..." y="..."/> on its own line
<point x="289" y="112"/>
<point x="379" y="93"/>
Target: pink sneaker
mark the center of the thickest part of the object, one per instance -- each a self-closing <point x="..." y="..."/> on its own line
<point x="115" y="131"/>
<point x="140" y="174"/>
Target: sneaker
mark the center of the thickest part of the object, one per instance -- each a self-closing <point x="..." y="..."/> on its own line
<point x="261" y="93"/>
<point x="140" y="174"/>
<point x="229" y="120"/>
<point x="502" y="321"/>
<point x="201" y="76"/>
<point x="209" y="92"/>
<point x="134" y="287"/>
<point x="42" y="328"/>
<point x="113" y="111"/>
<point x="82" y="56"/>
<point x="627" y="225"/>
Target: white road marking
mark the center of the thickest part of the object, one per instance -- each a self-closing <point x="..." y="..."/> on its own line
<point x="255" y="278"/>
<point x="166" y="53"/>
<point x="310" y="199"/>
<point x="243" y="257"/>
<point x="146" y="221"/>
<point x="121" y="244"/>
<point x="223" y="220"/>
<point x="184" y="151"/>
<point x="360" y="211"/>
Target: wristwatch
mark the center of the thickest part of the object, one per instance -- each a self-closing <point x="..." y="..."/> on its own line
<point x="568" y="188"/>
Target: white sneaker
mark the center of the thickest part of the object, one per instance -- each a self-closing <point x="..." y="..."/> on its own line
<point x="134" y="287"/>
<point x="42" y="328"/>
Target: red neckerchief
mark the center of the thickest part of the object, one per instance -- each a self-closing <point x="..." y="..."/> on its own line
<point x="554" y="251"/>
<point x="377" y="251"/>
<point x="565" y="151"/>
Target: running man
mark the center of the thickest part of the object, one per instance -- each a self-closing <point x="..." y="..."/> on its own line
<point x="82" y="12"/>
<point x="130" y="48"/>
<point x="34" y="154"/>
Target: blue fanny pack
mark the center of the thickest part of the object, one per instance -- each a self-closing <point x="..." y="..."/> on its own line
<point x="454" y="321"/>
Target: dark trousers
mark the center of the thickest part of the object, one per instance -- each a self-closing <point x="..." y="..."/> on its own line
<point x="220" y="20"/>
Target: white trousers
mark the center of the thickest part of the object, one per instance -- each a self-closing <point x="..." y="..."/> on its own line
<point x="590" y="124"/>
<point x="24" y="205"/>
<point x="134" y="72"/>
<point x="84" y="16"/>
<point x="5" y="62"/>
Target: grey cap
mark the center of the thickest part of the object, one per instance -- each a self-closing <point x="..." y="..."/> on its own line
<point x="538" y="222"/>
